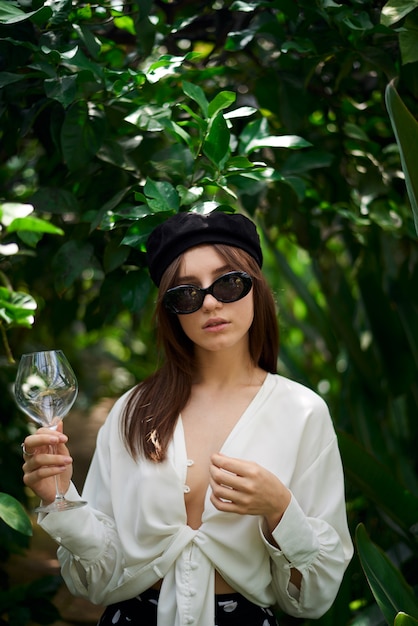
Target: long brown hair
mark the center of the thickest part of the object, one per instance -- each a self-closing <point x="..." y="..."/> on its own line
<point x="154" y="405"/>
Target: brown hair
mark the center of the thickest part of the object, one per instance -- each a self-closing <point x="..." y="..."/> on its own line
<point x="154" y="405"/>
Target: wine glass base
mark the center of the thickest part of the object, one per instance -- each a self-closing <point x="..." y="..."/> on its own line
<point x="60" y="505"/>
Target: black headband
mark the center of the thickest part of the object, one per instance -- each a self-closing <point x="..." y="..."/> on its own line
<point x="186" y="230"/>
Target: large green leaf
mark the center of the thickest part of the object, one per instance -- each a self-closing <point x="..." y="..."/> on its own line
<point x="402" y="619"/>
<point x="134" y="290"/>
<point x="256" y="135"/>
<point x="278" y="141"/>
<point x="378" y="483"/>
<point x="34" y="225"/>
<point x="81" y="136"/>
<point x="221" y="101"/>
<point x="405" y="127"/>
<point x="70" y="261"/>
<point x="197" y="94"/>
<point x="408" y="41"/>
<point x="395" y="10"/>
<point x="11" y="14"/>
<point x="390" y="589"/>
<point x="161" y="196"/>
<point x="61" y="88"/>
<point x="216" y="146"/>
<point x="13" y="513"/>
<point x="16" y="308"/>
<point x="8" y="78"/>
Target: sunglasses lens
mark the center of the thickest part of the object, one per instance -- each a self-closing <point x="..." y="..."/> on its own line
<point x="184" y="299"/>
<point x="188" y="298"/>
<point x="230" y="287"/>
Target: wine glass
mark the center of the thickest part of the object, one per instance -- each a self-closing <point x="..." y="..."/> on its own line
<point x="45" y="389"/>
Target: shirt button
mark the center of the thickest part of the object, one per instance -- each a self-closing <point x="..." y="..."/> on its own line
<point x="190" y="620"/>
<point x="193" y="565"/>
<point x="190" y="462"/>
<point x="186" y="489"/>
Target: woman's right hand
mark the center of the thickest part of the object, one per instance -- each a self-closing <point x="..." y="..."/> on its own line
<point x="41" y="465"/>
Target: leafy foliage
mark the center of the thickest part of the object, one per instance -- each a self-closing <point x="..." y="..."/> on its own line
<point x="12" y="512"/>
<point x="114" y="116"/>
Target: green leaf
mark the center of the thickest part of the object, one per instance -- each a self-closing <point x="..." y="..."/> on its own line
<point x="91" y="42"/>
<point x="13" y="513"/>
<point x="62" y="88"/>
<point x="197" y="94"/>
<point x="221" y="101"/>
<point x="240" y="163"/>
<point x="204" y="208"/>
<point x="240" y="112"/>
<point x="391" y="591"/>
<point x="8" y="78"/>
<point x="11" y="14"/>
<point x="125" y="23"/>
<point x="378" y="483"/>
<point x="108" y="206"/>
<point x="278" y="141"/>
<point x="166" y="65"/>
<point x="395" y="10"/>
<point x="135" y="287"/>
<point x="256" y="136"/>
<point x="161" y="196"/>
<point x="34" y="225"/>
<point x="138" y="233"/>
<point x="115" y="152"/>
<point x="16" y="308"/>
<point x="114" y="255"/>
<point x="176" y="131"/>
<point x="402" y="619"/>
<point x="405" y="128"/>
<point x="55" y="200"/>
<point x="216" y="145"/>
<point x="81" y="136"/>
<point x="408" y="38"/>
<point x="70" y="261"/>
<point x="124" y="213"/>
<point x="189" y="195"/>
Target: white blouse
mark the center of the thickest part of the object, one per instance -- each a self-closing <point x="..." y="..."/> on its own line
<point x="134" y="531"/>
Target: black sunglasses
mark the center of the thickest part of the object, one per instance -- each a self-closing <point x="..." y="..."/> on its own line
<point x="229" y="287"/>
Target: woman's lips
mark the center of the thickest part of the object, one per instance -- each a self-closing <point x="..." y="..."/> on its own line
<point x="215" y="324"/>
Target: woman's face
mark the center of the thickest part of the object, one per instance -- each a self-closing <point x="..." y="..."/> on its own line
<point x="216" y="326"/>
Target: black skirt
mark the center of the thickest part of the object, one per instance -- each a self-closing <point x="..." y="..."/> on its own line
<point x="230" y="610"/>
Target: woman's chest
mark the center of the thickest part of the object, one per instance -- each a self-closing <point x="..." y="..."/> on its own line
<point x="204" y="434"/>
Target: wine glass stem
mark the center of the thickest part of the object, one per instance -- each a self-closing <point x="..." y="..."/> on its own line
<point x="58" y="493"/>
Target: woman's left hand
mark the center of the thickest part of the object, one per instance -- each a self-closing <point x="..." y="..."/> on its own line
<point x="246" y="488"/>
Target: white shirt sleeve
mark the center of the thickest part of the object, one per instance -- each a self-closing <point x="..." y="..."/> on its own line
<point x="316" y="541"/>
<point x="90" y="550"/>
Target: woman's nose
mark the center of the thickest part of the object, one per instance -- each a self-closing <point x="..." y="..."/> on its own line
<point x="210" y="302"/>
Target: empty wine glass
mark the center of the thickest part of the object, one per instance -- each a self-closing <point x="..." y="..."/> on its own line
<point x="45" y="389"/>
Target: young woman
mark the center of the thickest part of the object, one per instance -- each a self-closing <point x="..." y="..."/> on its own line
<point x="216" y="490"/>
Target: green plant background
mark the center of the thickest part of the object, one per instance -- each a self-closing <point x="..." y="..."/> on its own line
<point x="114" y="116"/>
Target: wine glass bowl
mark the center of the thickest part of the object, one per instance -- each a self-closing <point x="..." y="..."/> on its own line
<point x="45" y="389"/>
